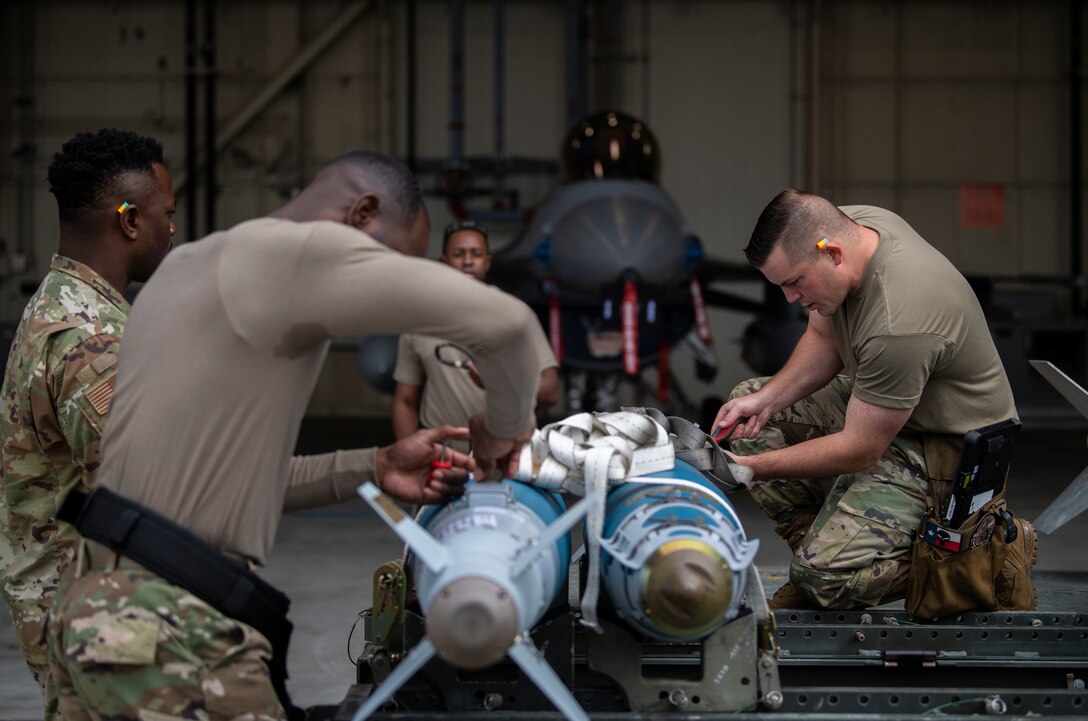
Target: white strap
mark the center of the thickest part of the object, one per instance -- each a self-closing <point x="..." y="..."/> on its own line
<point x="586" y="454"/>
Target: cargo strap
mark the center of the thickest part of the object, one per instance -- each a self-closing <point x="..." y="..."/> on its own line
<point x="586" y="454"/>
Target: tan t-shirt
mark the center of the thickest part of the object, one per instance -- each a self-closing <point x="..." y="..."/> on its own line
<point x="913" y="335"/>
<point x="225" y="344"/>
<point x="448" y="394"/>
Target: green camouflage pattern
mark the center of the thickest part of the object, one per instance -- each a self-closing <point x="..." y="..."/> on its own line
<point x="856" y="553"/>
<point x="56" y="393"/>
<point x="125" y="645"/>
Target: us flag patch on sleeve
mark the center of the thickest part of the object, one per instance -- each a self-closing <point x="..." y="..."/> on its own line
<point x="100" y="393"/>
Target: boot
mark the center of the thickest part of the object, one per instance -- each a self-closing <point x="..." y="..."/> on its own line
<point x="789" y="597"/>
<point x="794" y="529"/>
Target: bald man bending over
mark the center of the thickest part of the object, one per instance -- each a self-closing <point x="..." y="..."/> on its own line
<point x="220" y="358"/>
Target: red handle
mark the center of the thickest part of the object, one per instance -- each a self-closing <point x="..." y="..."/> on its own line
<point x="724" y="433"/>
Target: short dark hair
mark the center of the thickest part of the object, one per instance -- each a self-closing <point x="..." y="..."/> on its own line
<point x="83" y="174"/>
<point x="398" y="187"/>
<point x="796" y="220"/>
<point x="467" y="224"/>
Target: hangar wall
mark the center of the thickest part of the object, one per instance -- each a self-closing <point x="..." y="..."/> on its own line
<point x="907" y="104"/>
<point x="961" y="117"/>
<point x="921" y="99"/>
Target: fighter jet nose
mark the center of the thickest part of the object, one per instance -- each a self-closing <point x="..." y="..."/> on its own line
<point x="688" y="587"/>
<point x="472" y="622"/>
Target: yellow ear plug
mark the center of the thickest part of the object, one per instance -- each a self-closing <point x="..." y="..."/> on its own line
<point x="123" y="207"/>
<point x="822" y="243"/>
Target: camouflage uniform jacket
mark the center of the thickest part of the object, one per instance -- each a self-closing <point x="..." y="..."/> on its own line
<point x="57" y="388"/>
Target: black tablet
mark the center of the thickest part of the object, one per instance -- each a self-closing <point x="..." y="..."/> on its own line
<point x="984" y="464"/>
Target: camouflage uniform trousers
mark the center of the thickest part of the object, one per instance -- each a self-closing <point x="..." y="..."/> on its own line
<point x="29" y="604"/>
<point x="125" y="645"/>
<point x="856" y="553"/>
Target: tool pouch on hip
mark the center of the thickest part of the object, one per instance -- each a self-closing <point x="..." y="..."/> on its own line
<point x="985" y="564"/>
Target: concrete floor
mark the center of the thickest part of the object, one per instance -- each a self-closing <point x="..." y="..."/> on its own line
<point x="324" y="560"/>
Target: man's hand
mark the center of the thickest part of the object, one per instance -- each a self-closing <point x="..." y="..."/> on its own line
<point x="404" y="469"/>
<point x="749" y="413"/>
<point x="490" y="450"/>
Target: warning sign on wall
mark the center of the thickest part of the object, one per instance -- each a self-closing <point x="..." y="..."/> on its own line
<point x="982" y="205"/>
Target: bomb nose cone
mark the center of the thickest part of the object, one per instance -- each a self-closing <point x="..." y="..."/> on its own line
<point x="472" y="622"/>
<point x="688" y="588"/>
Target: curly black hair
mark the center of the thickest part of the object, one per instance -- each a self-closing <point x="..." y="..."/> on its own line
<point x="83" y="172"/>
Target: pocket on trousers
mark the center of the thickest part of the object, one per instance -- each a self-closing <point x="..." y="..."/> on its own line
<point x="104" y="638"/>
<point x="884" y="503"/>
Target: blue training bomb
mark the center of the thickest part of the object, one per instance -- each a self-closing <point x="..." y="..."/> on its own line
<point x="675" y="559"/>
<point x="486" y="567"/>
<point x="476" y="607"/>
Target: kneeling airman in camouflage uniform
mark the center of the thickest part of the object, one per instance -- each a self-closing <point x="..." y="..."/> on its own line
<point x="115" y="204"/>
<point x="897" y="353"/>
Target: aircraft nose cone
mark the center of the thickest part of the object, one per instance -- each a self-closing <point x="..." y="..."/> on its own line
<point x="472" y="622"/>
<point x="687" y="589"/>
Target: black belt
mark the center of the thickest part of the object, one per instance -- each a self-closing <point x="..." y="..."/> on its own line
<point x="178" y="556"/>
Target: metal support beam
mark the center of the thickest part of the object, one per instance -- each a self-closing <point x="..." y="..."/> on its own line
<point x="26" y="149"/>
<point x="249" y="112"/>
<point x="1076" y="185"/>
<point x="499" y="63"/>
<point x="457" y="83"/>
<point x="211" y="183"/>
<point x="410" y="71"/>
<point x="191" y="163"/>
<point x="576" y="61"/>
